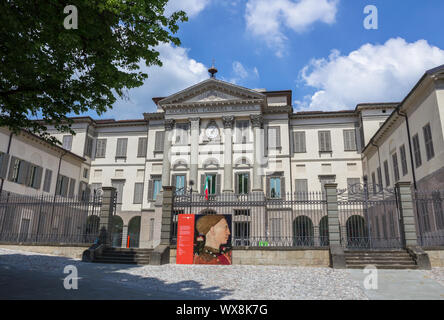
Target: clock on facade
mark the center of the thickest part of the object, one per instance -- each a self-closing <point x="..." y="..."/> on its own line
<point x="212" y="132"/>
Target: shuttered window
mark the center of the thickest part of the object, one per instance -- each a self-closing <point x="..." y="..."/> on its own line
<point x="72" y="185"/>
<point x="89" y="146"/>
<point x="374" y="182"/>
<point x="299" y="142"/>
<point x="101" y="148"/>
<point x="403" y="160"/>
<point x="430" y="151"/>
<point x="242" y="130"/>
<point x="122" y="144"/>
<point x="182" y="133"/>
<point x="67" y="142"/>
<point x="119" y="189"/>
<point x="387" y="174"/>
<point x="141" y="148"/>
<point x="349" y="140"/>
<point x="34" y="177"/>
<point x="324" y="141"/>
<point x="154" y="187"/>
<point x="274" y="138"/>
<point x="395" y="166"/>
<point x="47" y="181"/>
<point x="62" y="186"/>
<point x="242" y="183"/>
<point x="379" y="177"/>
<point x="417" y="151"/>
<point x="138" y="193"/>
<point x="301" y="188"/>
<point x="160" y="136"/>
<point x="4" y="162"/>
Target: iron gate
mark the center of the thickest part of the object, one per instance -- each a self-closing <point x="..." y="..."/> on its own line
<point x="370" y="218"/>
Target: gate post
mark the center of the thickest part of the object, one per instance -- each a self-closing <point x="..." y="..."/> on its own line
<point x="337" y="256"/>
<point x="408" y="227"/>
<point x="161" y="254"/>
<point x="106" y="213"/>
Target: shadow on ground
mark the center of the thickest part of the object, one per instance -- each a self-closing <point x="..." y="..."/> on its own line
<point x="42" y="277"/>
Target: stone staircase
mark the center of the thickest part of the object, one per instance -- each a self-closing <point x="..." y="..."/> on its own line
<point x="389" y="259"/>
<point x="124" y="255"/>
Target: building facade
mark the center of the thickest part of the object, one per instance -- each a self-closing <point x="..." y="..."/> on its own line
<point x="240" y="141"/>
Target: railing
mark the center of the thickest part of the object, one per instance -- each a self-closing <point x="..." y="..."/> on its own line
<point x="428" y="207"/>
<point x="49" y="219"/>
<point x="295" y="220"/>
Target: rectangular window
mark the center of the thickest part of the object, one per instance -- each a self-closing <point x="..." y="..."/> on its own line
<point x="141" y="148"/>
<point x="387" y="174"/>
<point x="211" y="183"/>
<point x="14" y="169"/>
<point x="157" y="188"/>
<point x="301" y="188"/>
<point x="182" y="133"/>
<point x="299" y="142"/>
<point x="138" y="193"/>
<point x="395" y="166"/>
<point x="324" y="141"/>
<point x="349" y="140"/>
<point x="62" y="186"/>
<point x="242" y="212"/>
<point x="47" y="181"/>
<point x="403" y="160"/>
<point x="122" y="144"/>
<point x="88" y="146"/>
<point x="72" y="185"/>
<point x="158" y="145"/>
<point x="242" y="129"/>
<point x="241" y="233"/>
<point x="34" y="177"/>
<point x="379" y="177"/>
<point x="417" y="151"/>
<point x="119" y="189"/>
<point x="85" y="173"/>
<point x="430" y="151"/>
<point x="274" y="138"/>
<point x="242" y="183"/>
<point x="101" y="148"/>
<point x="275" y="187"/>
<point x="180" y="184"/>
<point x="67" y="142"/>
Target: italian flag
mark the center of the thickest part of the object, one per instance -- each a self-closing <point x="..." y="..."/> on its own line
<point x="207" y="187"/>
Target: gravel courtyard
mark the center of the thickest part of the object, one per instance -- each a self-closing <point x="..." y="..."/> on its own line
<point x="219" y="282"/>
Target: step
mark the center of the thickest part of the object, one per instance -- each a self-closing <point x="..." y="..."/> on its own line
<point x="379" y="258"/>
<point x="118" y="254"/>
<point x="122" y="260"/>
<point x="126" y="250"/>
<point x="388" y="262"/>
<point x="392" y="266"/>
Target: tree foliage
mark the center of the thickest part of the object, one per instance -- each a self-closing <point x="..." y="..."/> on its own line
<point x="49" y="71"/>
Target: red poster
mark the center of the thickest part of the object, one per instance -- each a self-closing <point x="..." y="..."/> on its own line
<point x="185" y="239"/>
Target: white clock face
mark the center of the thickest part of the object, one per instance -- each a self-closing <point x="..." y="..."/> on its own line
<point x="212" y="132"/>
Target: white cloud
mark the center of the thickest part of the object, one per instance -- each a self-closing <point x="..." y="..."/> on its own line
<point x="373" y="73"/>
<point x="267" y="19"/>
<point x="241" y="73"/>
<point x="191" y="7"/>
<point x="178" y="72"/>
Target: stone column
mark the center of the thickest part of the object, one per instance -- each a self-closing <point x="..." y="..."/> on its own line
<point x="258" y="154"/>
<point x="167" y="207"/>
<point x="194" y="157"/>
<point x="228" y="153"/>
<point x="106" y="214"/>
<point x="336" y="251"/>
<point x="166" y="166"/>
<point x="124" y="236"/>
<point x="408" y="228"/>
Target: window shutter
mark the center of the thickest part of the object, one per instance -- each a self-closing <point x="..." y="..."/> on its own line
<point x="150" y="190"/>
<point x="23" y="173"/>
<point x="268" y="187"/>
<point x="266" y="142"/>
<point x="174" y="178"/>
<point x="218" y="184"/>
<point x="141" y="150"/>
<point x="101" y="148"/>
<point x="72" y="185"/>
<point x="202" y="184"/>
<point x="4" y="165"/>
<point x="328" y="141"/>
<point x="38" y="178"/>
<point x="11" y="168"/>
<point x="278" y="137"/>
<point x="47" y="182"/>
<point x="301" y="189"/>
<point x="283" y="194"/>
<point x="124" y="147"/>
<point x="321" y="142"/>
<point x="160" y="136"/>
<point x="138" y="193"/>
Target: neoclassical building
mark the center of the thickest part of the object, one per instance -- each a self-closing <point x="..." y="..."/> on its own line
<point x="244" y="140"/>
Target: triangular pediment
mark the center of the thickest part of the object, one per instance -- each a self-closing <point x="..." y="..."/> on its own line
<point x="212" y="90"/>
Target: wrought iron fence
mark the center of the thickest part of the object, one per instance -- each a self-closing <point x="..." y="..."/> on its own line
<point x="49" y="219"/>
<point x="429" y="215"/>
<point x="369" y="218"/>
<point x="295" y="220"/>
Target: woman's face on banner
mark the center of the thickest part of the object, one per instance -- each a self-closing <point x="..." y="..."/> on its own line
<point x="221" y="232"/>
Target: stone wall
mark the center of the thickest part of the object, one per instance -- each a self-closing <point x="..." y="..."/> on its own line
<point x="69" y="252"/>
<point x="301" y="258"/>
<point x="436" y="257"/>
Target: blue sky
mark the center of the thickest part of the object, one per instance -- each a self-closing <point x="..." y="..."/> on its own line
<point x="319" y="49"/>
